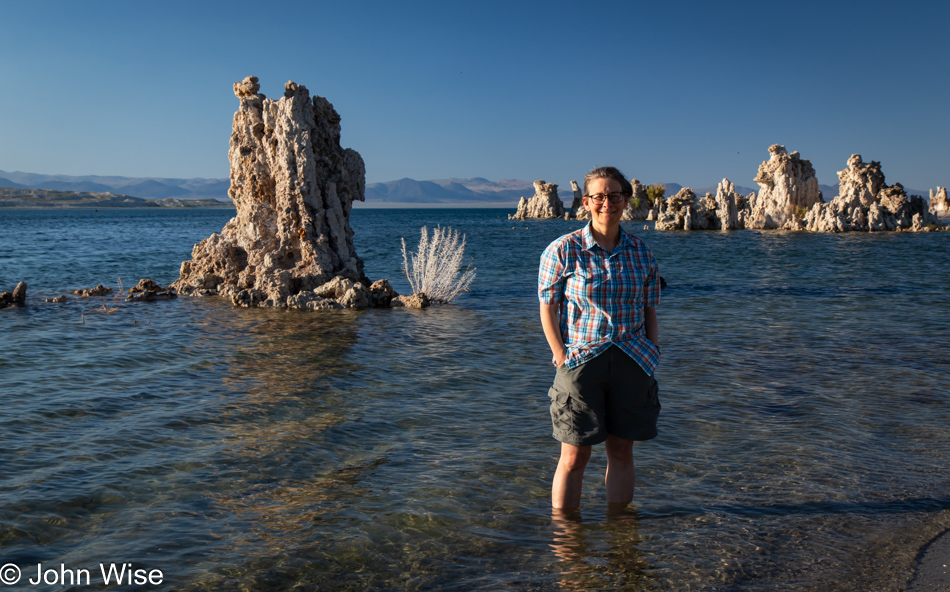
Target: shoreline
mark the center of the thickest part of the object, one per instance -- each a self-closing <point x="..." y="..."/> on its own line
<point x="932" y="573"/>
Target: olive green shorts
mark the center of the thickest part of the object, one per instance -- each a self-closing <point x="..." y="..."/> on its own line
<point x="608" y="395"/>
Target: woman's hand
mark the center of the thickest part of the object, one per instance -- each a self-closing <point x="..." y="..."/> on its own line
<point x="552" y="332"/>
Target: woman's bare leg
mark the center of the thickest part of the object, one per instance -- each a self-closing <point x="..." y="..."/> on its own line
<point x="620" y="471"/>
<point x="569" y="477"/>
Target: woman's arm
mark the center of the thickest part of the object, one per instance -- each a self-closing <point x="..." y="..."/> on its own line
<point x="552" y="331"/>
<point x="650" y="324"/>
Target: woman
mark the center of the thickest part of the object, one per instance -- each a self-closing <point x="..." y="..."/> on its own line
<point x="598" y="288"/>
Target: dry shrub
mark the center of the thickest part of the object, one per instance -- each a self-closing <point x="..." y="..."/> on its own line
<point x="436" y="266"/>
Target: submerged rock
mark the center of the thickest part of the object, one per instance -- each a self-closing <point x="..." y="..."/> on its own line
<point x="544" y="204"/>
<point x="15" y="298"/>
<point x="148" y="290"/>
<point x="99" y="290"/>
<point x="381" y="294"/>
<point x="417" y="300"/>
<point x="293" y="186"/>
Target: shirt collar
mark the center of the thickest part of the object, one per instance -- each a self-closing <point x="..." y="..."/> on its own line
<point x="588" y="242"/>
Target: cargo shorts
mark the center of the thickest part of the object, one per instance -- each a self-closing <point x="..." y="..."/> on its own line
<point x="607" y="395"/>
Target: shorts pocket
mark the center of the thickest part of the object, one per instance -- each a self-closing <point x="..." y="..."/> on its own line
<point x="655" y="399"/>
<point x="651" y="412"/>
<point x="562" y="415"/>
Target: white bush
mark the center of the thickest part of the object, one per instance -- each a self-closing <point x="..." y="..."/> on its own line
<point x="436" y="267"/>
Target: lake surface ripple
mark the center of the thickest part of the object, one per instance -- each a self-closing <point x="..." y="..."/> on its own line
<point x="803" y="440"/>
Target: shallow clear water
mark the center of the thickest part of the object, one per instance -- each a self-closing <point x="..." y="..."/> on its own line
<point x="803" y="440"/>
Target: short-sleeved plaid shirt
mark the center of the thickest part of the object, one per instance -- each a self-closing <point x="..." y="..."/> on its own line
<point x="602" y="295"/>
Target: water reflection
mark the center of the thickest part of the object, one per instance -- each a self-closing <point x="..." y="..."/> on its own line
<point x="603" y="555"/>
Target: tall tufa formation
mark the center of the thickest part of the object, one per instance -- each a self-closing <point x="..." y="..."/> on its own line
<point x="543" y="204"/>
<point x="578" y="211"/>
<point x="865" y="202"/>
<point x="939" y="203"/>
<point x="788" y="185"/>
<point x="293" y="186"/>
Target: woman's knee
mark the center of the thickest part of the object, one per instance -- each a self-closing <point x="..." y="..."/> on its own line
<point x="574" y="457"/>
<point x="619" y="449"/>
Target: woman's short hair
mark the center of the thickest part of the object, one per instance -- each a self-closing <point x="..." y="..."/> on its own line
<point x="609" y="172"/>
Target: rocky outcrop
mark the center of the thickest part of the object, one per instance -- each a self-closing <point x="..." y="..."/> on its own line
<point x="293" y="186"/>
<point x="726" y="210"/>
<point x="419" y="300"/>
<point x="578" y="211"/>
<point x="789" y="188"/>
<point x="15" y="298"/>
<point x="99" y="290"/>
<point x="676" y="211"/>
<point x="544" y="204"/>
<point x="341" y="292"/>
<point x="638" y="205"/>
<point x="939" y="203"/>
<point x="148" y="290"/>
<point x="866" y="203"/>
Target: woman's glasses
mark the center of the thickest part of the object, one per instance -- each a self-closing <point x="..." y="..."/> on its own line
<point x="598" y="198"/>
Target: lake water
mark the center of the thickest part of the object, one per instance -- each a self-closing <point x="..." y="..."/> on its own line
<point x="803" y="441"/>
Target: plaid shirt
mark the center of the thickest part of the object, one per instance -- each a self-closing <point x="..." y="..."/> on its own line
<point x="602" y="295"/>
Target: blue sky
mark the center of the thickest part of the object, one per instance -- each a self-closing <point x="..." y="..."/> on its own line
<point x="688" y="92"/>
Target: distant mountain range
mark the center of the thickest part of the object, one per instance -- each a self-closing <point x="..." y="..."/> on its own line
<point x="470" y="191"/>
<point x="475" y="191"/>
<point x="147" y="188"/>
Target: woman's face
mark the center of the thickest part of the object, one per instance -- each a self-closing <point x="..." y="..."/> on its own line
<point x="605" y="213"/>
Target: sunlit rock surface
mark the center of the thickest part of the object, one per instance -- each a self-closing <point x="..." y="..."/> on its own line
<point x="790" y="200"/>
<point x="545" y="203"/>
<point x="293" y="186"/>
<point x="866" y="203"/>
<point x="684" y="211"/>
<point x="788" y="189"/>
<point x="578" y="211"/>
<point x="939" y="203"/>
<point x="638" y="206"/>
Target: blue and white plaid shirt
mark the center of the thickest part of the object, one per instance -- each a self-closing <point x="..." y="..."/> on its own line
<point x="602" y="295"/>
